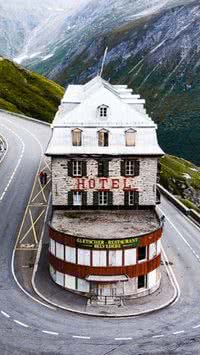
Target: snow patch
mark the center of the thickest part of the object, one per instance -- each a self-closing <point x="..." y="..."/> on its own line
<point x="47" y="57"/>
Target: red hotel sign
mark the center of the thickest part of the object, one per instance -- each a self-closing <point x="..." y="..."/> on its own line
<point x="119" y="184"/>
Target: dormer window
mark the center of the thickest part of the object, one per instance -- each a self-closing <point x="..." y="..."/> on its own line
<point x="77" y="137"/>
<point x="103" y="111"/>
<point x="103" y="138"/>
<point x="130" y="137"/>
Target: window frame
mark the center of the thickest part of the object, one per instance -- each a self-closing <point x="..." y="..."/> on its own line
<point x="144" y="285"/>
<point x="103" y="196"/>
<point x="129" y="167"/>
<point x="75" y="142"/>
<point x="128" y="132"/>
<point x="77" y="168"/>
<point x="103" y="111"/>
<point x="104" y="140"/>
<point x="77" y="193"/>
<point x="139" y="260"/>
<point x="131" y="195"/>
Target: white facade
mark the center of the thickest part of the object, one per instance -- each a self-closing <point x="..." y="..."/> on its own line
<point x="104" y="154"/>
<point x="80" y="109"/>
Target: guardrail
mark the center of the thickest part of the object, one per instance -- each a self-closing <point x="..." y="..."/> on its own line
<point x="25" y="117"/>
<point x="187" y="211"/>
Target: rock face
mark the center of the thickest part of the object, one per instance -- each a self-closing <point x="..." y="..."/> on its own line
<point x="152" y="45"/>
<point x="159" y="58"/>
<point x="155" y="51"/>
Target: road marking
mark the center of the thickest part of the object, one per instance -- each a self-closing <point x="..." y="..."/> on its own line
<point x="182" y="237"/>
<point x="158" y="336"/>
<point x="33" y="227"/>
<point x="196" y="326"/>
<point x="179" y="332"/>
<point x="18" y="162"/>
<point x="22" y="224"/>
<point x="41" y="191"/>
<point x="22" y="324"/>
<point x="5" y="314"/>
<point x="172" y="277"/>
<point x="49" y="332"/>
<point x="80" y="337"/>
<point x="123" y="338"/>
<point x="28" y="231"/>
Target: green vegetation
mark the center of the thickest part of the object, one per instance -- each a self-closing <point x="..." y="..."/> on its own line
<point x="24" y="92"/>
<point x="182" y="178"/>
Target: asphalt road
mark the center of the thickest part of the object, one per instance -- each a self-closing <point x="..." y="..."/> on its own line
<point x="27" y="327"/>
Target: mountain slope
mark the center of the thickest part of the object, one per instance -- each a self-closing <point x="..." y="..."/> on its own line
<point x="181" y="178"/>
<point x="22" y="91"/>
<point x="156" y="55"/>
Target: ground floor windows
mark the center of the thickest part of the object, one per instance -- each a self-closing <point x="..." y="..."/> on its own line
<point x="109" y="290"/>
<point x="103" y="198"/>
<point x="131" y="198"/>
<point x="142" y="281"/>
<point x="77" y="198"/>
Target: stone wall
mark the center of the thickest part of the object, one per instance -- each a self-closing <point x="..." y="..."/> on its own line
<point x="146" y="181"/>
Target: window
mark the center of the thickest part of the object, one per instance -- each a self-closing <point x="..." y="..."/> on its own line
<point x="142" y="253"/>
<point x="60" y="251"/>
<point x="130" y="256"/>
<point x="131" y="200"/>
<point x="77" y="198"/>
<point x="52" y="247"/>
<point x="103" y="198"/>
<point x="103" y="138"/>
<point x="103" y="111"/>
<point x="115" y="257"/>
<point x="103" y="168"/>
<point x="99" y="257"/>
<point x="77" y="168"/>
<point x="130" y="136"/>
<point x="142" y="281"/>
<point x="83" y="257"/>
<point x="76" y="137"/>
<point x="70" y="254"/>
<point x="129" y="167"/>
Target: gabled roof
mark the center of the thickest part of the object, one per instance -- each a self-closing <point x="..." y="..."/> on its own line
<point x="79" y="109"/>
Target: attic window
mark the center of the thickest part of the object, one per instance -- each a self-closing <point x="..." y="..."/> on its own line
<point x="103" y="111"/>
<point x="130" y="137"/>
<point x="77" y="137"/>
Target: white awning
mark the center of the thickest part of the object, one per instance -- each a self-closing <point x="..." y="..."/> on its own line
<point x="116" y="278"/>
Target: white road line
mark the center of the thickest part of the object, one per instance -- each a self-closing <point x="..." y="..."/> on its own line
<point x="5" y="151"/>
<point x="196" y="326"/>
<point x="5" y="314"/>
<point x="182" y="237"/>
<point x="172" y="277"/>
<point x="49" y="332"/>
<point x="123" y="338"/>
<point x="22" y="324"/>
<point x="80" y="337"/>
<point x="18" y="162"/>
<point x="180" y="332"/>
<point x="158" y="336"/>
